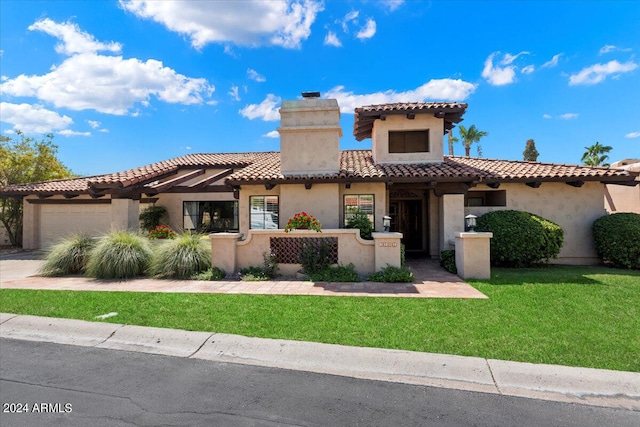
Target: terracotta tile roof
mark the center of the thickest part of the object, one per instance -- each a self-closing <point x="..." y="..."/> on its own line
<point x="452" y="113"/>
<point x="511" y="170"/>
<point x="355" y="165"/>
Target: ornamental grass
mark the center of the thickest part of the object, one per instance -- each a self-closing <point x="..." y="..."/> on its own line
<point x="182" y="258"/>
<point x="119" y="255"/>
<point x="68" y="256"/>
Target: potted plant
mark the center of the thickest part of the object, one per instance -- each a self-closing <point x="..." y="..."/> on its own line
<point x="303" y="221"/>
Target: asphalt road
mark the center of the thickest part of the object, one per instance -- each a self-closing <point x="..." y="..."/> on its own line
<point x="82" y="386"/>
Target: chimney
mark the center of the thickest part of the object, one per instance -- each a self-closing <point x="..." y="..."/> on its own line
<point x="310" y="135"/>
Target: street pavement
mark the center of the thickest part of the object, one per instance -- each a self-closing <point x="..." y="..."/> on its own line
<point x="69" y="385"/>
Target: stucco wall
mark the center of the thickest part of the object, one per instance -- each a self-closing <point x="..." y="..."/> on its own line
<point x="351" y="249"/>
<point x="622" y="198"/>
<point x="321" y="200"/>
<point x="573" y="209"/>
<point x="310" y="136"/>
<point x="380" y="138"/>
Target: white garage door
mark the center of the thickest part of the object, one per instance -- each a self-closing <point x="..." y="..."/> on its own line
<point x="59" y="220"/>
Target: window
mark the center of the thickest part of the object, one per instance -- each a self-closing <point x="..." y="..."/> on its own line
<point x="486" y="198"/>
<point x="264" y="212"/>
<point x="210" y="216"/>
<point x="363" y="202"/>
<point x="412" y="141"/>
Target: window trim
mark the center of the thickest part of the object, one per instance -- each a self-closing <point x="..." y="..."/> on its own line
<point x="236" y="215"/>
<point x="265" y="210"/>
<point x="373" y="208"/>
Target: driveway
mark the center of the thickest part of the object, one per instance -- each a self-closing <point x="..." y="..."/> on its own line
<point x="19" y="265"/>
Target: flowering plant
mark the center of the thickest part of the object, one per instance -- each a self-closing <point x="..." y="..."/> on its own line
<point x="303" y="220"/>
<point x="162" y="232"/>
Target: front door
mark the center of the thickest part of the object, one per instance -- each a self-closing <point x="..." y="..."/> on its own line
<point x="406" y="218"/>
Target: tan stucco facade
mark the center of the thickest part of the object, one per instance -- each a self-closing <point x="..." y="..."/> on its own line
<point x="573" y="209"/>
<point x="380" y="139"/>
<point x="623" y="198"/>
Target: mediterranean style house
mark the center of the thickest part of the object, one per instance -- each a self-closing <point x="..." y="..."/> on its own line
<point x="404" y="175"/>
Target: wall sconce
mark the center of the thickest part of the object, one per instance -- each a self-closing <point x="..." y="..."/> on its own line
<point x="470" y="222"/>
<point x="386" y="223"/>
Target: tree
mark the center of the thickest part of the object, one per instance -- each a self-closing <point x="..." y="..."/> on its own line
<point x="452" y="140"/>
<point x="530" y="153"/>
<point x="469" y="136"/>
<point x="24" y="160"/>
<point x="596" y="155"/>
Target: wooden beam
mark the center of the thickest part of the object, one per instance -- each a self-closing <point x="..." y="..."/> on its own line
<point x="576" y="184"/>
<point x="211" y="179"/>
<point x="533" y="184"/>
<point x="307" y="185"/>
<point x="175" y="181"/>
<point x="493" y="185"/>
<point x="69" y="201"/>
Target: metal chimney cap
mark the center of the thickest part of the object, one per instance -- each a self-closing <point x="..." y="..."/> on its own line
<point x="311" y="94"/>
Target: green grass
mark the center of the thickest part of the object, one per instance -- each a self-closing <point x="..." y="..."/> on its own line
<point x="576" y="316"/>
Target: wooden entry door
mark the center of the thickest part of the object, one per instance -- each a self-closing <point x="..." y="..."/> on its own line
<point x="406" y="218"/>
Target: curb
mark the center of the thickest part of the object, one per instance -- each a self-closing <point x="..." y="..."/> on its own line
<point x="597" y="387"/>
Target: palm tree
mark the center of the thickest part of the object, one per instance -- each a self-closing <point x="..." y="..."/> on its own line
<point x="596" y="155"/>
<point x="452" y="140"/>
<point x="470" y="136"/>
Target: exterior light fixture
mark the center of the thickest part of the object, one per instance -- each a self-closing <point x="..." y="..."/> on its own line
<point x="386" y="223"/>
<point x="470" y="222"/>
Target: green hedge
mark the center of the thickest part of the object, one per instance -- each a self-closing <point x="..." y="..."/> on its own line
<point x="617" y="239"/>
<point x="521" y="239"/>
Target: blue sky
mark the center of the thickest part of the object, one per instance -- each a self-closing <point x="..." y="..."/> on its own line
<point x="126" y="83"/>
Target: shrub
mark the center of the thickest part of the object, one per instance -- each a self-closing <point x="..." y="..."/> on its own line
<point x="69" y="256"/>
<point x="448" y="261"/>
<point x="213" y="273"/>
<point x="340" y="273"/>
<point x="617" y="239"/>
<point x="119" y="255"/>
<point x="315" y="257"/>
<point x="181" y="258"/>
<point x="521" y="239"/>
<point x="358" y="219"/>
<point x="267" y="271"/>
<point x="392" y="274"/>
<point x="152" y="216"/>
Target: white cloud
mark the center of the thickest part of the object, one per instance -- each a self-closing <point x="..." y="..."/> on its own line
<point x="443" y="89"/>
<point x="368" y="31"/>
<point x="349" y="18"/>
<point x="33" y="118"/>
<point x="103" y="130"/>
<point x="254" y="75"/>
<point x="234" y="93"/>
<point x="251" y="22"/>
<point x="108" y="84"/>
<point x="498" y="76"/>
<point x="632" y="135"/>
<point x="599" y="72"/>
<point x="528" y="69"/>
<point x="332" y="40"/>
<point x="94" y="124"/>
<point x="392" y="4"/>
<point x="69" y="132"/>
<point x="552" y="62"/>
<point x="73" y="39"/>
<point x="568" y="116"/>
<point x="508" y="59"/>
<point x="608" y="48"/>
<point x="267" y="110"/>
<point x="547" y="116"/>
<point x="272" y="134"/>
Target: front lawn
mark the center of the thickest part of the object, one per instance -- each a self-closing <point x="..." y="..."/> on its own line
<point x="576" y="316"/>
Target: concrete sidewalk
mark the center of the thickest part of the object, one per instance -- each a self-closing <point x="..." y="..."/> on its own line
<point x="597" y="387"/>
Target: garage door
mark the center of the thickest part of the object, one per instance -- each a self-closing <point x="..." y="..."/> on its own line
<point x="58" y="221"/>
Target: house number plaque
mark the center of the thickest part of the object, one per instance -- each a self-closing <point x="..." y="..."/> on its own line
<point x="388" y="244"/>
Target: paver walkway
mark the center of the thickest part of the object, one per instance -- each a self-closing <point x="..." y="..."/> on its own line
<point x="431" y="281"/>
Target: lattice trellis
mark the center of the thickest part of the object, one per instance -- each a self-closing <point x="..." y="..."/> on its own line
<point x="288" y="249"/>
